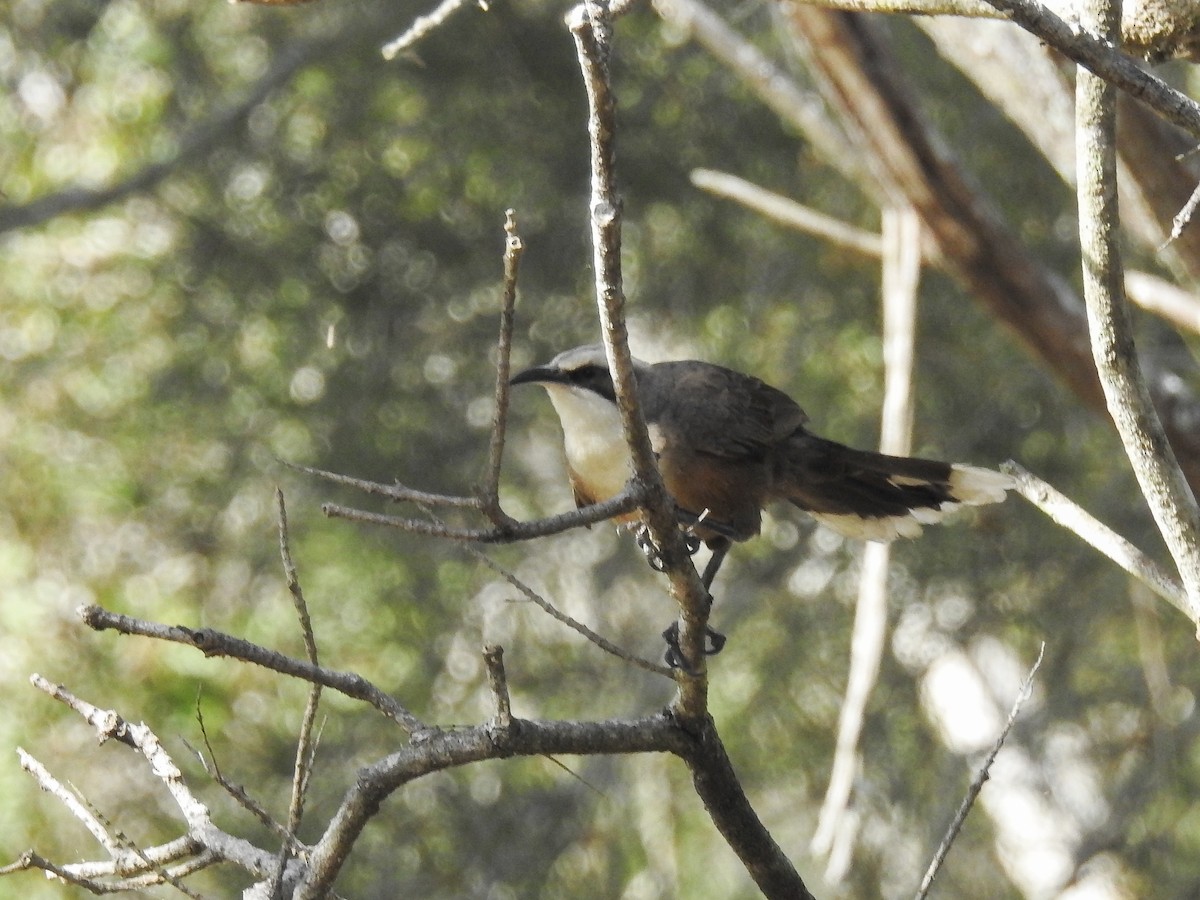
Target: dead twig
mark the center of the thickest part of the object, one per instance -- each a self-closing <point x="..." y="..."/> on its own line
<point x="215" y="643"/>
<point x="534" y="597"/>
<point x="977" y="782"/>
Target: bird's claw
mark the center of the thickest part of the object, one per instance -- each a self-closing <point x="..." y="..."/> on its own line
<point x="714" y="643"/>
<point x="649" y="549"/>
<point x="641" y="535"/>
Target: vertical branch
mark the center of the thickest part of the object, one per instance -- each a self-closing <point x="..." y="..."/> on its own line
<point x="1125" y="390"/>
<point x="591" y="25"/>
<point x="901" y="274"/>
<point x="305" y="747"/>
<point x="490" y="492"/>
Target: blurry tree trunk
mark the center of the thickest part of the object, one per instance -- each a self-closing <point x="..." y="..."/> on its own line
<point x="851" y="59"/>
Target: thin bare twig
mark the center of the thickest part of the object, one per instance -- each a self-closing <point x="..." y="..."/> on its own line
<point x="423" y="25"/>
<point x="215" y="643"/>
<point x="977" y="783"/>
<point x="236" y="791"/>
<point x="215" y="842"/>
<point x="68" y="798"/>
<point x="534" y="597"/>
<point x="305" y="743"/>
<point x="625" y="502"/>
<point x="397" y="492"/>
<point x="489" y="494"/>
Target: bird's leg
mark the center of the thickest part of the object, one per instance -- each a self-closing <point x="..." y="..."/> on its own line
<point x="645" y="543"/>
<point x="714" y="641"/>
<point x="719" y="547"/>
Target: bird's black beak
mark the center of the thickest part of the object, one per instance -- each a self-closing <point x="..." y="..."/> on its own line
<point x="535" y="375"/>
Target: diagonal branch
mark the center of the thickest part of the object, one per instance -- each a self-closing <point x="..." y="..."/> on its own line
<point x="1098" y="55"/>
<point x="978" y="781"/>
<point x="445" y="750"/>
<point x="554" y="612"/>
<point x="215" y="643"/>
<point x="1074" y="518"/>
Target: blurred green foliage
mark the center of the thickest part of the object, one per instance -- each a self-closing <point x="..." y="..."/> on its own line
<point x="316" y="280"/>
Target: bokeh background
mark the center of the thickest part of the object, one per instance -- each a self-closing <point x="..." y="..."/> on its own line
<point x="235" y="235"/>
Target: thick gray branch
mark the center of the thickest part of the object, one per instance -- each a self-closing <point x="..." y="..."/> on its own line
<point x="1129" y="402"/>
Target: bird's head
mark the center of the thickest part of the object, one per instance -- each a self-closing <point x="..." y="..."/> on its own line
<point x="579" y="370"/>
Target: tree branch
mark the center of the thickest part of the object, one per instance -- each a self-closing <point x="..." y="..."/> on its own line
<point x="214" y="643"/>
<point x="1129" y="401"/>
<point x="450" y="749"/>
<point x="901" y="277"/>
<point x="978" y="781"/>
<point x="1063" y="511"/>
<point x="625" y="502"/>
<point x="591" y="25"/>
<point x="489" y="494"/>
<point x="788" y="212"/>
<point x="554" y="612"/>
<point x="1097" y="54"/>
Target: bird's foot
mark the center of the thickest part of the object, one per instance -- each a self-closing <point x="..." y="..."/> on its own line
<point x="714" y="643"/>
<point x="645" y="543"/>
<point x="650" y="550"/>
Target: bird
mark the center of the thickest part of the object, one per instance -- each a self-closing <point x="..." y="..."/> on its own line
<point x="727" y="444"/>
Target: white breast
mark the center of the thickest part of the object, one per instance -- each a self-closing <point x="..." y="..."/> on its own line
<point x="595" y="443"/>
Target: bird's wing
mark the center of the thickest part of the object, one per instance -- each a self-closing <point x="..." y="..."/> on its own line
<point x="719" y="412"/>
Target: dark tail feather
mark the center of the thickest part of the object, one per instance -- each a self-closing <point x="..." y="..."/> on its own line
<point x="877" y="497"/>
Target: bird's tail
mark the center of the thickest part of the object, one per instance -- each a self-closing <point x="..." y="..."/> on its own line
<point x="876" y="497"/>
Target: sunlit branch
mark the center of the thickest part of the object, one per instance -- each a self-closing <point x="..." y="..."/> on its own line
<point x="901" y="277"/>
<point x="788" y="212"/>
<point x="424" y="25"/>
<point x="1065" y="512"/>
<point x="1125" y="390"/>
<point x="1099" y="56"/>
<point x="201" y="832"/>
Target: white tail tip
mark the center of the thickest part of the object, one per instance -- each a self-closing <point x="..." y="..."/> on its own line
<point x="970" y="485"/>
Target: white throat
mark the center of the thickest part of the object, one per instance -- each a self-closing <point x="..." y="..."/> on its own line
<point x="594" y="439"/>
